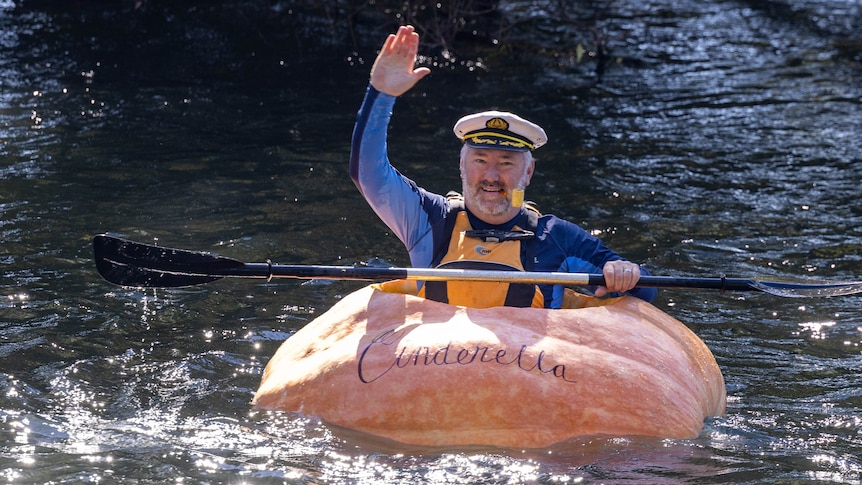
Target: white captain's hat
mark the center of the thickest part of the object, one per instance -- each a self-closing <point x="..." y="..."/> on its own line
<point x="500" y="130"/>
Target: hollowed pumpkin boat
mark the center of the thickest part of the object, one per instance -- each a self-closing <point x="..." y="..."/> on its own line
<point x="389" y="363"/>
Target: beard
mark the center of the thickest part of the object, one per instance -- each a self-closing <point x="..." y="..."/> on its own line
<point x="473" y="195"/>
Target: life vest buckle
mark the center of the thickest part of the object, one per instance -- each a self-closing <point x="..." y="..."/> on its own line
<point x="498" y="235"/>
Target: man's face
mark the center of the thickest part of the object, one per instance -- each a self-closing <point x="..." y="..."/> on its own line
<point x="489" y="176"/>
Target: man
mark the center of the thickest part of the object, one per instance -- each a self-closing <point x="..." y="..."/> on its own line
<point x="489" y="227"/>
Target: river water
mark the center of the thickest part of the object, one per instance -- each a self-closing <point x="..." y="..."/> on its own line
<point x="722" y="138"/>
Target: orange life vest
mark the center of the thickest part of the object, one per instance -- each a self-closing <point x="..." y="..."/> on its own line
<point x="486" y="250"/>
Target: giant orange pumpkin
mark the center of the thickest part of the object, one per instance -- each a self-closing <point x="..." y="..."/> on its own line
<point x="427" y="373"/>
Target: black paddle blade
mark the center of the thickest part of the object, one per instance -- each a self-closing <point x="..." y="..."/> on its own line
<point x="801" y="290"/>
<point x="129" y="263"/>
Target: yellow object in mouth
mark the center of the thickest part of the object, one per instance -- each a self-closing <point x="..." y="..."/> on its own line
<point x="518" y="198"/>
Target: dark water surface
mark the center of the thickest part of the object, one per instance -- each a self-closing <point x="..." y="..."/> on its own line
<point x="723" y="138"/>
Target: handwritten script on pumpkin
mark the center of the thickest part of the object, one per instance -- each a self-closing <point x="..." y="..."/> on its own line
<point x="450" y="355"/>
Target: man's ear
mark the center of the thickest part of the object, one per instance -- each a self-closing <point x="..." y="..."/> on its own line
<point x="530" y="169"/>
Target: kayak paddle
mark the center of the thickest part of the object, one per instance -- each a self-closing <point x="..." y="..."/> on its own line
<point x="129" y="263"/>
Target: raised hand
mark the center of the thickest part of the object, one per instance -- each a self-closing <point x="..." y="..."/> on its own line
<point x="393" y="72"/>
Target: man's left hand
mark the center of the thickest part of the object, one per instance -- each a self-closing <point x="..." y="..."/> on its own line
<point x="620" y="276"/>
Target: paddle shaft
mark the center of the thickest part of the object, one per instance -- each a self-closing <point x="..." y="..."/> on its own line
<point x="364" y="273"/>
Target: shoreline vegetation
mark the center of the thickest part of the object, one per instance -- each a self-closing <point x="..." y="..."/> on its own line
<point x="459" y="34"/>
<point x="492" y="35"/>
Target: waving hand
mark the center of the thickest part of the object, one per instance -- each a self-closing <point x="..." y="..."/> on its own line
<point x="393" y="71"/>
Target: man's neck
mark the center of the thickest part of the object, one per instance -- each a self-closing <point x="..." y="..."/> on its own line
<point x="506" y="222"/>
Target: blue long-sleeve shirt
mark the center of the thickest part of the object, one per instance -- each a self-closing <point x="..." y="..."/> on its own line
<point x="417" y="216"/>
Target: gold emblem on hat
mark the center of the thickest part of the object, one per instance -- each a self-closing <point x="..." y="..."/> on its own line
<point x="497" y="124"/>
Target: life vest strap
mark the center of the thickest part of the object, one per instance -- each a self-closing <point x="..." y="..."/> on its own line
<point x="499" y="235"/>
